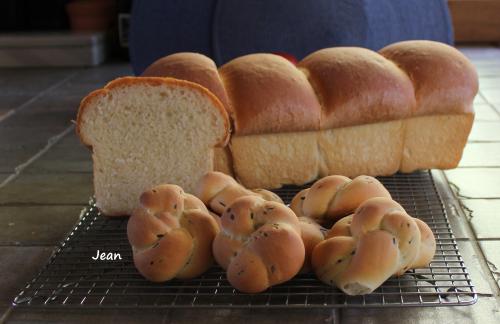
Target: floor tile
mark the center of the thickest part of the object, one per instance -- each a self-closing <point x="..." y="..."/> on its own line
<point x="46" y="189"/>
<point x="31" y="81"/>
<point x="491" y="250"/>
<point x="485" y="112"/>
<point x="261" y="316"/>
<point x="481" y="155"/>
<point x="492" y="95"/>
<point x="486" y="310"/>
<point x="47" y="111"/>
<point x="480" y="53"/>
<point x="483" y="131"/>
<point x="481" y="278"/>
<point x="484" y="217"/>
<point x="11" y="102"/>
<point x="44" y="118"/>
<point x="93" y="78"/>
<point x="36" y="225"/>
<point x="17" y="266"/>
<point x="68" y="155"/>
<point x="476" y="182"/>
<point x="17" y="145"/>
<point x="490" y="83"/>
<point x="489" y="71"/>
<point x="85" y="316"/>
<point x="479" y="100"/>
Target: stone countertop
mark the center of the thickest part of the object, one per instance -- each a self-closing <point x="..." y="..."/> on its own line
<point x="46" y="179"/>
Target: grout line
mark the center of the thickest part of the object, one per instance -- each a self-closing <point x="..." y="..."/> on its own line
<point x="5" y="315"/>
<point x="50" y="142"/>
<point x="481" y="256"/>
<point x="37" y="96"/>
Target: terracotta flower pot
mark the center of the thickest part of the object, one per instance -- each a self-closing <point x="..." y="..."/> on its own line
<point x="90" y="15"/>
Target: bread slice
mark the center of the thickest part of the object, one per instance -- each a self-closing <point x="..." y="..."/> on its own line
<point x="148" y="131"/>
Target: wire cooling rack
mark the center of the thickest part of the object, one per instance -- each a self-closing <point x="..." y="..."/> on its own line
<point x="72" y="279"/>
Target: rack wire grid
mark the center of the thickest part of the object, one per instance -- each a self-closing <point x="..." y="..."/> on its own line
<point x="72" y="279"/>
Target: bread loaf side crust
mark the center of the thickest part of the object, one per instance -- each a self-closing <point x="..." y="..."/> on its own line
<point x="435" y="141"/>
<point x="371" y="149"/>
<point x="271" y="160"/>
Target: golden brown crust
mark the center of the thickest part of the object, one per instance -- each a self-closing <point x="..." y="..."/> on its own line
<point x="171" y="234"/>
<point x="218" y="190"/>
<point x="445" y="81"/>
<point x="268" y="94"/>
<point x="363" y="250"/>
<point x="192" y="67"/>
<point x="150" y="81"/>
<point x="312" y="234"/>
<point x="259" y="244"/>
<point x="357" y="86"/>
<point x="334" y="197"/>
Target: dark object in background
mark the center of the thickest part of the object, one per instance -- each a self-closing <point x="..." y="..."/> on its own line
<point x="23" y="15"/>
<point x="225" y="29"/>
<point x="91" y="15"/>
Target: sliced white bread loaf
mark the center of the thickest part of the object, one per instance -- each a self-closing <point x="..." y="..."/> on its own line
<point x="147" y="131"/>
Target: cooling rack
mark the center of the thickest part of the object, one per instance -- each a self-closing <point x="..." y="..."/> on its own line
<point x="71" y="278"/>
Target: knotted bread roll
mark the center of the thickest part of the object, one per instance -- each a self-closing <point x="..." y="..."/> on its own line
<point x="218" y="190"/>
<point x="363" y="250"/>
<point x="259" y="245"/>
<point x="171" y="234"/>
<point x="333" y="197"/>
<point x="312" y="233"/>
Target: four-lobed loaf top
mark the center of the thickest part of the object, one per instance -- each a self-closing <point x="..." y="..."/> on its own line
<point x="333" y="87"/>
<point x="407" y="107"/>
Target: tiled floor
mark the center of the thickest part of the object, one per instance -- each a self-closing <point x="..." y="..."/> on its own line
<point x="46" y="178"/>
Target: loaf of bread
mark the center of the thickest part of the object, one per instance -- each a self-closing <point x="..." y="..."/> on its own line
<point x="259" y="244"/>
<point x="218" y="190"/>
<point x="334" y="197"/>
<point x="148" y="131"/>
<point x="171" y="234"/>
<point x="345" y="110"/>
<point x="363" y="250"/>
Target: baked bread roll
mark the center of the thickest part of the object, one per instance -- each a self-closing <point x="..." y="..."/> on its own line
<point x="146" y="131"/>
<point x="259" y="245"/>
<point x="218" y="190"/>
<point x="334" y="197"/>
<point x="171" y="234"/>
<point x="363" y="250"/>
<point x="312" y="233"/>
